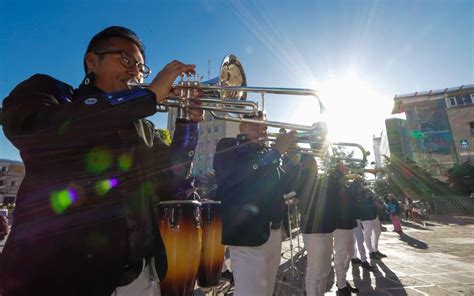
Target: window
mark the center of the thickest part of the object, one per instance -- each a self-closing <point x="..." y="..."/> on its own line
<point x="469" y="99"/>
<point x="471" y="124"/>
<point x="13" y="183"/>
<point x="452" y="101"/>
<point x="216" y="129"/>
<point x="1" y="182"/>
<point x="209" y="129"/>
<point x="3" y="169"/>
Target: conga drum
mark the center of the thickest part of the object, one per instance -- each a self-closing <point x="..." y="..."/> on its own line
<point x="212" y="252"/>
<point x="179" y="223"/>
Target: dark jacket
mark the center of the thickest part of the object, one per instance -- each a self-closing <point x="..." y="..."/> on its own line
<point x="251" y="184"/>
<point x="366" y="205"/>
<point x="317" y="207"/>
<point x="346" y="206"/>
<point x="84" y="211"/>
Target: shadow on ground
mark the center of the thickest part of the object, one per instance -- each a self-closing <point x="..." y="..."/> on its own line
<point x="413" y="241"/>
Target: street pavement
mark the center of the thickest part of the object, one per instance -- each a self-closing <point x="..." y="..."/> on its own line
<point x="431" y="258"/>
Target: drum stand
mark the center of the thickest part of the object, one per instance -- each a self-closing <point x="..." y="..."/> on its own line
<point x="290" y="200"/>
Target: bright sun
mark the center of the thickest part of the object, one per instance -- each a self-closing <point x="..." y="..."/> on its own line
<point x="355" y="110"/>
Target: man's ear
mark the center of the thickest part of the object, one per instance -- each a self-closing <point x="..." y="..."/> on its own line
<point x="91" y="61"/>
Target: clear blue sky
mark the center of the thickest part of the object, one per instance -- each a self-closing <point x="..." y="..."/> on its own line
<point x="363" y="52"/>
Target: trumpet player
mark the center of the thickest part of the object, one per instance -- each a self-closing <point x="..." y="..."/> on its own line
<point x="83" y="223"/>
<point x="251" y="184"/>
<point x="345" y="223"/>
<point x="317" y="224"/>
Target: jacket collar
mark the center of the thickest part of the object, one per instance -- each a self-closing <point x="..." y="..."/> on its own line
<point x="87" y="87"/>
<point x="244" y="143"/>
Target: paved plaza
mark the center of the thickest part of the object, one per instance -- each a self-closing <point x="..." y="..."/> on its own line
<point x="431" y="258"/>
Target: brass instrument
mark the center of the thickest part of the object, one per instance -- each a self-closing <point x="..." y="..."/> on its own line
<point x="325" y="150"/>
<point x="225" y="96"/>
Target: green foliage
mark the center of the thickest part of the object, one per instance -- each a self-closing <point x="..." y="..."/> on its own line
<point x="165" y="135"/>
<point x="461" y="178"/>
<point x="406" y="178"/>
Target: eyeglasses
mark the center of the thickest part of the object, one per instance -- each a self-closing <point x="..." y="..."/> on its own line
<point x="129" y="61"/>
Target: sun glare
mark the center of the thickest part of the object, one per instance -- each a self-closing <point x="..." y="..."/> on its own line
<point x="355" y="110"/>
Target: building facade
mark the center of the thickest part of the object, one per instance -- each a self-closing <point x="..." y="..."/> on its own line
<point x="436" y="122"/>
<point x="211" y="131"/>
<point x="461" y="120"/>
<point x="381" y="149"/>
<point x="11" y="175"/>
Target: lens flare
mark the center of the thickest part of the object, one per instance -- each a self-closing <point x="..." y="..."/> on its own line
<point x="103" y="186"/>
<point x="61" y="200"/>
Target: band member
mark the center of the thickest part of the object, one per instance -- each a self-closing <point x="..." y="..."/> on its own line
<point x="251" y="184"/>
<point x="345" y="223"/>
<point x="363" y="213"/>
<point x="317" y="224"/>
<point x="371" y="223"/>
<point x="83" y="223"/>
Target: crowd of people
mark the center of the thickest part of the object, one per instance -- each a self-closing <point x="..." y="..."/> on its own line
<point x="95" y="169"/>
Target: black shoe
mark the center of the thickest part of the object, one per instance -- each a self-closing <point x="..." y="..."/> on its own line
<point x="356" y="261"/>
<point x="381" y="255"/>
<point x="344" y="291"/>
<point x="367" y="266"/>
<point x="352" y="289"/>
<point x="228" y="275"/>
<point x="374" y="255"/>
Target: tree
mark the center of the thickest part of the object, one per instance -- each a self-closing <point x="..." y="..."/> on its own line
<point x="461" y="179"/>
<point x="406" y="178"/>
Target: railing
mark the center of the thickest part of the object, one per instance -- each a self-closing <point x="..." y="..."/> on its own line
<point x="451" y="204"/>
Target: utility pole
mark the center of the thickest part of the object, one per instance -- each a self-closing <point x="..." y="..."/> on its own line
<point x="209" y="69"/>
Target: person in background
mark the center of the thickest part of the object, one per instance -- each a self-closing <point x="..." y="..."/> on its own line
<point x="84" y="222"/>
<point x="3" y="223"/>
<point x="393" y="208"/>
<point x="409" y="208"/>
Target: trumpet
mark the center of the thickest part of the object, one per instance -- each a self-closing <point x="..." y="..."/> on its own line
<point x="321" y="148"/>
<point x="225" y="97"/>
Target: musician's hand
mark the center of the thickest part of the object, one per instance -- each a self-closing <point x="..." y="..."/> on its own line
<point x="196" y="115"/>
<point x="163" y="81"/>
<point x="285" y="141"/>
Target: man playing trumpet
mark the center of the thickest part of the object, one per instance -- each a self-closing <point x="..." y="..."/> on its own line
<point x="83" y="223"/>
<point x="251" y="184"/>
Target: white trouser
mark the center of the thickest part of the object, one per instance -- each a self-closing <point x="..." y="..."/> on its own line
<point x="343" y="250"/>
<point x="146" y="284"/>
<point x="255" y="268"/>
<point x="359" y="242"/>
<point x="319" y="248"/>
<point x="372" y="233"/>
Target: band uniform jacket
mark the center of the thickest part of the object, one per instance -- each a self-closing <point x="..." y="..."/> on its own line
<point x="317" y="206"/>
<point x="94" y="170"/>
<point x="366" y="205"/>
<point x="250" y="186"/>
<point x="346" y="204"/>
